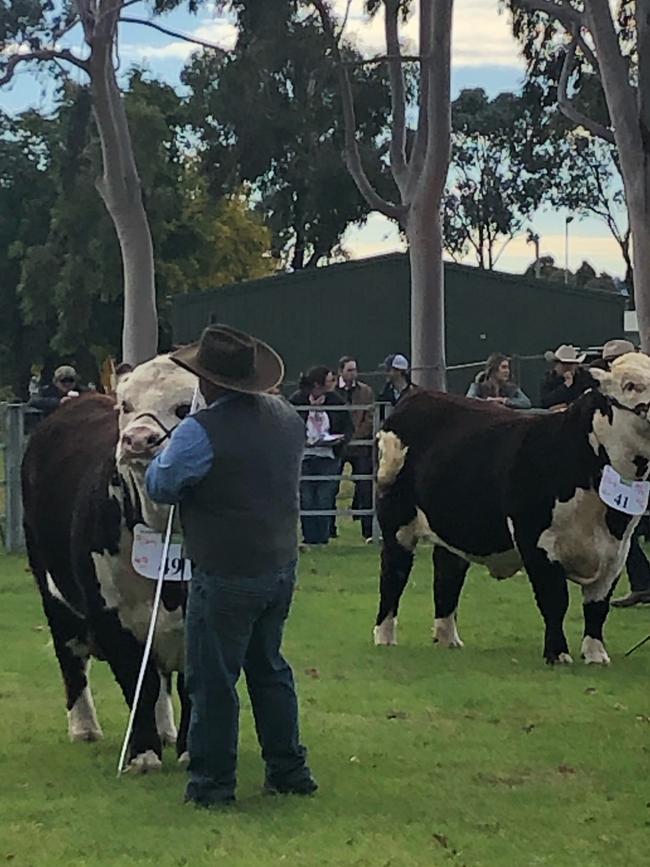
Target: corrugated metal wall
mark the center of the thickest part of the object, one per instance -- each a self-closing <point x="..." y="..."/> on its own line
<point x="362" y="308"/>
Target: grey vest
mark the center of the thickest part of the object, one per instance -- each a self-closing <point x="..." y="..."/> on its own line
<point x="242" y="518"/>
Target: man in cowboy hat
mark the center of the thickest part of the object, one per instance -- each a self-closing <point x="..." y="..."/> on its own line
<point x="566" y="381"/>
<point x="234" y="469"/>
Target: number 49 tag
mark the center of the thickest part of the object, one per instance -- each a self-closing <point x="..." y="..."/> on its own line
<point x="628" y="497"/>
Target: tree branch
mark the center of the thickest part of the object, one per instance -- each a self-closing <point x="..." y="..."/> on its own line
<point x="352" y="153"/>
<point x="42" y="54"/>
<point x="567" y="105"/>
<point x="184" y="36"/>
<point x="385" y="58"/>
<point x="569" y="16"/>
<point x="397" y="94"/>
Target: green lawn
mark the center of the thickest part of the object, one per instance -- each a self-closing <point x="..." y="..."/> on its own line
<point x="425" y="756"/>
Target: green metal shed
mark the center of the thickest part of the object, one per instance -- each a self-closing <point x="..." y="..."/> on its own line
<point x="362" y="308"/>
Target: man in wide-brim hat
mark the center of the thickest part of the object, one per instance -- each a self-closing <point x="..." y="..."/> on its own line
<point x="234" y="470"/>
<point x="566" y="380"/>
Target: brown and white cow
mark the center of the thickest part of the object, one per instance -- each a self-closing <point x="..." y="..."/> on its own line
<point x="83" y="490"/>
<point x="507" y="490"/>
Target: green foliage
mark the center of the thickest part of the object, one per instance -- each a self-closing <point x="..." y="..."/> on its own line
<point x="502" y="166"/>
<point x="269" y="115"/>
<point x="426" y="757"/>
<point x="61" y="257"/>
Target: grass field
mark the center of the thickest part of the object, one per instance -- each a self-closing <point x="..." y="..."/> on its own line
<point x="480" y="757"/>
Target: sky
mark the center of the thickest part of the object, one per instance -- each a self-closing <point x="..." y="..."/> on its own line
<point x="484" y="54"/>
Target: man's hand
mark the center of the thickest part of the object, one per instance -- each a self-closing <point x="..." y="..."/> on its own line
<point x="496" y="399"/>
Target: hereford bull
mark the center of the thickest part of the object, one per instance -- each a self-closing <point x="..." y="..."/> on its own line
<point x="83" y="490"/>
<point x="506" y="490"/>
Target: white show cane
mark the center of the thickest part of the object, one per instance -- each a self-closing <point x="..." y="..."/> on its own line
<point x="154" y="616"/>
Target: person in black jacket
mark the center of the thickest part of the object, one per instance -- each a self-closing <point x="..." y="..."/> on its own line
<point x="326" y="433"/>
<point x="398" y="379"/>
<point x="64" y="386"/>
<point x="566" y="381"/>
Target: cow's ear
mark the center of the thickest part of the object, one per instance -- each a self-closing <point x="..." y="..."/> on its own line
<point x="603" y="378"/>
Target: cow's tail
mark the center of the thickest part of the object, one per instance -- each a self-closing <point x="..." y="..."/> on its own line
<point x="392" y="454"/>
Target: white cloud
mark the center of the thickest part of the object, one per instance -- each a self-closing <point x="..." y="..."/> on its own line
<point x="480" y="36"/>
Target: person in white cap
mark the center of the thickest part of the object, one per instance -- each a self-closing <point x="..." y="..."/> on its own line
<point x="566" y="380"/>
<point x="398" y="379"/>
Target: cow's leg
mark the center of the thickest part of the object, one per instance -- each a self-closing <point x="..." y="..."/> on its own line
<point x="396" y="564"/>
<point x="183" y="728"/>
<point x="595" y="598"/>
<point x="549" y="583"/>
<point x="165" y="712"/>
<point x="449" y="572"/>
<point x="123" y="652"/>
<point x="70" y="636"/>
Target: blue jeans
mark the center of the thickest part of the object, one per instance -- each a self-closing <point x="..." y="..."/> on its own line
<point x="318" y="496"/>
<point x="234" y="623"/>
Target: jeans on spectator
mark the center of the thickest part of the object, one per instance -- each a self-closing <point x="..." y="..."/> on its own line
<point x="638" y="568"/>
<point x="236" y="622"/>
<point x="317" y="496"/>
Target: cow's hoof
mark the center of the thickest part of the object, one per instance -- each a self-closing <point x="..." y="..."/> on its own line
<point x="385" y="635"/>
<point x="445" y="632"/>
<point x="593" y="652"/>
<point x="168" y="737"/>
<point x="144" y="763"/>
<point x="560" y="659"/>
<point x="184" y="759"/>
<point x="87" y="734"/>
<point x="82" y="719"/>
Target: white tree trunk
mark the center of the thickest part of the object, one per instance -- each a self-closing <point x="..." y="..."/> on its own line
<point x="121" y="192"/>
<point x="639" y="217"/>
<point x="424" y="232"/>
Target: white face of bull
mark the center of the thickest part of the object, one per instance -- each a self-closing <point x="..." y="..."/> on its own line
<point x="628" y="381"/>
<point x="151" y="401"/>
<point x="628" y="434"/>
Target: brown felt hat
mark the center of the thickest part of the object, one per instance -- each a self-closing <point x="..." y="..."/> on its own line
<point x="232" y="359"/>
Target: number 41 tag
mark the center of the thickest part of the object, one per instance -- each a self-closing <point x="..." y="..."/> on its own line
<point x="628" y="497"/>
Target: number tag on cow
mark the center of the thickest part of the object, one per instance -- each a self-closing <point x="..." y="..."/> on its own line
<point x="628" y="497"/>
<point x="146" y="555"/>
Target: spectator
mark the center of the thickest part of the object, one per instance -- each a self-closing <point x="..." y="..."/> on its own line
<point x="566" y="381"/>
<point x="637" y="566"/>
<point x="495" y="384"/>
<point x="326" y="433"/>
<point x="64" y="386"/>
<point x="398" y="379"/>
<point x="354" y="392"/>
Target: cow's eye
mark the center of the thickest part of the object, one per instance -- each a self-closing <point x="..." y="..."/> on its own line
<point x="182" y="410"/>
<point x="126" y="406"/>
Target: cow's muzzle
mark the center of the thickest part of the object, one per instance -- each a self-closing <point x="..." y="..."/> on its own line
<point x="141" y="441"/>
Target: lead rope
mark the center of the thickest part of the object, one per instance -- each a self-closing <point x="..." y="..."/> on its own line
<point x="154" y="617"/>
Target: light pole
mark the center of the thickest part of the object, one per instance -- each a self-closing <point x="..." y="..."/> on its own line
<point x="533" y="238"/>
<point x="566" y="248"/>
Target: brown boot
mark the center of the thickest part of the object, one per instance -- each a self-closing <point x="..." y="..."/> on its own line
<point x="635" y="597"/>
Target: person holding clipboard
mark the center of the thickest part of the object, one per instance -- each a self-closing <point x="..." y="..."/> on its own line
<point x="326" y="432"/>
